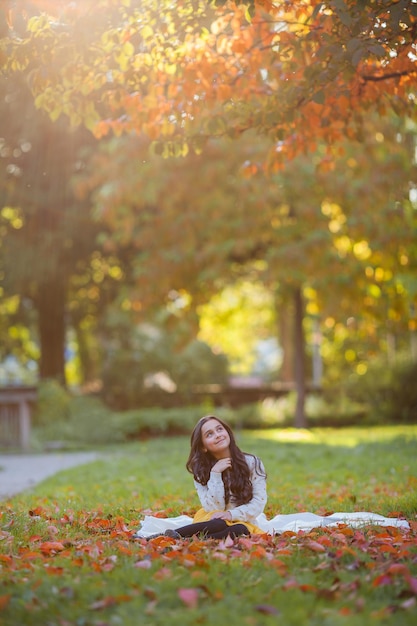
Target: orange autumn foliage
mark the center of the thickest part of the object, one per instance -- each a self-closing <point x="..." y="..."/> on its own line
<point x="297" y="71"/>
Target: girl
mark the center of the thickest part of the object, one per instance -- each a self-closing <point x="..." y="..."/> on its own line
<point x="230" y="484"/>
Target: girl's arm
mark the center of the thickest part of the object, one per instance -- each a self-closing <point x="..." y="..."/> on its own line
<point x="212" y="495"/>
<point x="250" y="511"/>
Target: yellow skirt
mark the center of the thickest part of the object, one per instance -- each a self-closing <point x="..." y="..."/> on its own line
<point x="204" y="516"/>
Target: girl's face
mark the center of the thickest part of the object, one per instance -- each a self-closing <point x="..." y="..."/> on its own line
<point x="215" y="439"/>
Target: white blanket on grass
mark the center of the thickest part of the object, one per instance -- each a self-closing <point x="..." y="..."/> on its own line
<point x="281" y="523"/>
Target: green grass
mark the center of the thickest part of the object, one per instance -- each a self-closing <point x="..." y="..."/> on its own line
<point x="98" y="576"/>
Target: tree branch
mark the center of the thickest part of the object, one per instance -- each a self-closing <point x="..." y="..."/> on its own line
<point x="377" y="78"/>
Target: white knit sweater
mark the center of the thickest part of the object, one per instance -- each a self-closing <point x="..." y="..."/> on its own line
<point x="212" y="495"/>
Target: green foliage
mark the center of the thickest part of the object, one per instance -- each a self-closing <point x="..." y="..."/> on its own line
<point x="149" y="366"/>
<point x="237" y="319"/>
<point x="53" y="404"/>
<point x="197" y="364"/>
<point x="88" y="421"/>
<point x="388" y="390"/>
<point x="321" y="410"/>
<point x="39" y="211"/>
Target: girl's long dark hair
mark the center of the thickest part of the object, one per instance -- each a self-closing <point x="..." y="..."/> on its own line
<point x="236" y="479"/>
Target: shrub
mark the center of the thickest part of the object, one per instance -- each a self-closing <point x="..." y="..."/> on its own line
<point x="88" y="421"/>
<point x="127" y="371"/>
<point x="321" y="410"/>
<point x="91" y="422"/>
<point x="52" y="403"/>
<point x="197" y="364"/>
<point x="388" y="391"/>
<point x="402" y="393"/>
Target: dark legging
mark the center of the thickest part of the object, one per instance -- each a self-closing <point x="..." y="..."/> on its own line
<point x="213" y="529"/>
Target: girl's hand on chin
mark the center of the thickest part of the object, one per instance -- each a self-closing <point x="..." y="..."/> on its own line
<point x="221" y="465"/>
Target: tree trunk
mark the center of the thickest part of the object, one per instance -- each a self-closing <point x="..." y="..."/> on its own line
<point x="88" y="364"/>
<point x="284" y="307"/>
<point x="299" y="360"/>
<point x="317" y="360"/>
<point x="51" y="322"/>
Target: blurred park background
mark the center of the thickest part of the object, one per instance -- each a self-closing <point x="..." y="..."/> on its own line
<point x="207" y="207"/>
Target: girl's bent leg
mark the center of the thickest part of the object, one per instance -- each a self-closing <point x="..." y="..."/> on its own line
<point x="236" y="530"/>
<point x="213" y="529"/>
<point x="208" y="529"/>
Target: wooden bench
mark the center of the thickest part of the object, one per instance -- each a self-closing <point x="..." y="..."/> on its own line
<point x="16" y="404"/>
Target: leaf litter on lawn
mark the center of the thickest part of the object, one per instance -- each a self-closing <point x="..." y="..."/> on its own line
<point x="64" y="562"/>
<point x="340" y="566"/>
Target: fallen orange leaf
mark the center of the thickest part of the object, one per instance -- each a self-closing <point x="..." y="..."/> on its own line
<point x="51" y="547"/>
<point x="102" y="604"/>
<point x="315" y="546"/>
<point x="4" y="558"/>
<point x="109" y="601"/>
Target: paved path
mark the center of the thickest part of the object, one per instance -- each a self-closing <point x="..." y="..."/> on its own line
<point x="19" y="472"/>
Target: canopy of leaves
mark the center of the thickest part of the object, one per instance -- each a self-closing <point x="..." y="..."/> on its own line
<point x="299" y="71"/>
<point x="200" y="221"/>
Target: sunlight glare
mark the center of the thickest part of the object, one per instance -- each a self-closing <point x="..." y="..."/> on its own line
<point x="285" y="434"/>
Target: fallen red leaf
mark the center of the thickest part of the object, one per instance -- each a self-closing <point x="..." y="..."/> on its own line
<point x="290" y="584"/>
<point x="413" y="525"/>
<point x="51" y="547"/>
<point x="102" y="604"/>
<point x="267" y="609"/>
<point x="163" y="573"/>
<point x="382" y="580"/>
<point x="258" y="553"/>
<point x="109" y="601"/>
<point x="315" y="546"/>
<point x="408" y="604"/>
<point x="397" y="568"/>
<point x="28" y="555"/>
<point x="54" y="571"/>
<point x="345" y="610"/>
<point x="226" y="543"/>
<point x="413" y="584"/>
<point x="388" y="548"/>
<point x="5" y="558"/>
<point x="145" y="564"/>
<point x="189" y="596"/>
<point x="37" y="512"/>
